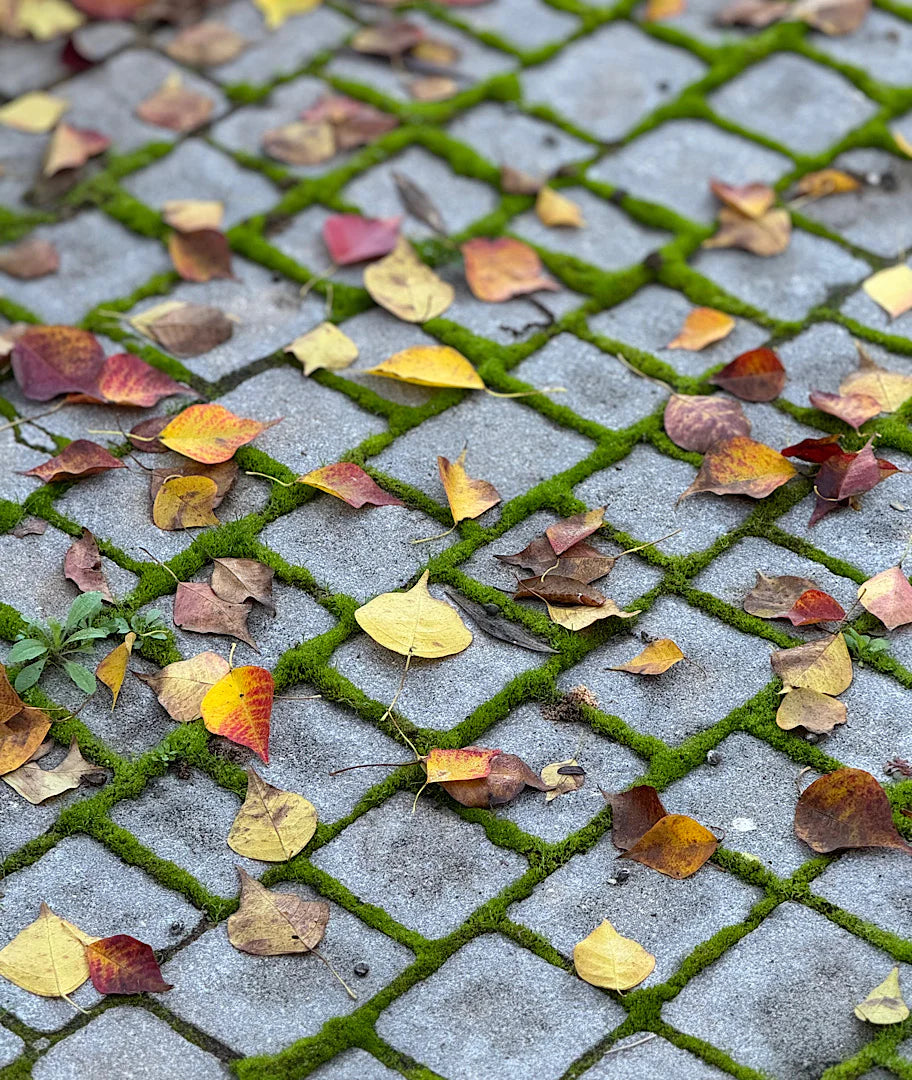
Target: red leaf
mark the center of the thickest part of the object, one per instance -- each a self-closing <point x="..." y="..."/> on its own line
<point x="815" y="450"/>
<point x="123" y="965"/>
<point x="80" y="458"/>
<point x="854" y="409"/>
<point x="846" y="809"/>
<point x="757" y="375"/>
<point x="350" y="238"/>
<point x="52" y="360"/>
<point x="351" y="484"/>
<point x="128" y="380"/>
<point x="813" y="606"/>
<point x="564" y="534"/>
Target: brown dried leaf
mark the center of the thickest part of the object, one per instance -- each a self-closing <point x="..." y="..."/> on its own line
<point x="767" y="235"/>
<point x="201" y="255"/>
<point x="238" y="580"/>
<point x="846" y="809"/>
<point x="559" y="590"/>
<point x="676" y="846"/>
<point x="175" y="107"/>
<point x="32" y="258"/>
<point x="199" y="609"/>
<point x="184" y="329"/>
<point x="206" y="44"/>
<point x="698" y="421"/>
<point x="272" y="924"/>
<point x="37" y="785"/>
<point x="832" y="17"/>
<point x="507" y="778"/>
<point x="82" y="565"/>
<point x="633" y="814"/>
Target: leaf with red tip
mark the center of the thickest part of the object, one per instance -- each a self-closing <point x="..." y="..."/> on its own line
<point x="633" y="814"/>
<point x="121" y="964"/>
<point x="888" y="595"/>
<point x="854" y="409"/>
<point x="52" y="360"/>
<point x="846" y="809"/>
<point x="350" y="238"/>
<point x="564" y="534"/>
<point x="756" y="375"/>
<point x="239" y="707"/>
<point x="814" y="606"/>
<point x="497" y="270"/>
<point x="351" y="484"/>
<point x="794" y="598"/>
<point x="201" y="255"/>
<point x="30" y="259"/>
<point x="210" y="433"/>
<point x="80" y="458"/>
<point x="127" y="380"/>
<point x="71" y="147"/>
<point x="741" y="466"/>
<point x="696" y="422"/>
<point x="846" y="476"/>
<point x="815" y="450"/>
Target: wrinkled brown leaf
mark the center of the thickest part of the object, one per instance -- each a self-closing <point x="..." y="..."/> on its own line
<point x="198" y="608"/>
<point x="238" y="580"/>
<point x="82" y="565"/>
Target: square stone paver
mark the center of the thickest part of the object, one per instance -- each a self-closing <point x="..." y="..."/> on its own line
<point x="11" y="1046"/>
<point x="657" y="1057"/>
<point x="354" y="1065"/>
<point x="494" y="1001"/>
<point x="674" y="163"/>
<point x="608" y="99"/>
<point x="879" y="46"/>
<point x="260" y="1004"/>
<point x="776" y="98"/>
<point x="396" y="858"/>
<point x="507" y="137"/>
<point x="766" y="976"/>
<point x="872" y="884"/>
<point x="522" y="24"/>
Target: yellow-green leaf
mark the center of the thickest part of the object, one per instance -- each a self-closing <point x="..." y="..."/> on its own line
<point x="414" y="623"/>
<point x="607" y="959"/>
<point x="273" y="825"/>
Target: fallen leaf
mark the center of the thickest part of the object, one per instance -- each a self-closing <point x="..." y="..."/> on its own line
<point x="121" y="964"/>
<point x="181" y="687"/>
<point x="35" y="112"/>
<point x="563" y="778"/>
<point x="10" y="702"/>
<point x="210" y="433"/>
<point x="191" y="215"/>
<point x="578" y="618"/>
<point x="556" y="210"/>
<point x="767" y="235"/>
<point x="223" y="475"/>
<point x="407" y="288"/>
<point x="238" y="580"/>
<point x="37" y="785"/>
<point x="823" y="665"/>
<point x="238" y="707"/>
<point x="30" y="526"/>
<point x="890" y="388"/>
<point x="144" y="435"/>
<point x="676" y="846"/>
<point x="794" y="598"/>
<point x="582" y="562"/>
<point x="416" y="201"/>
<point x="753" y="13"/>
<point x="560" y="590"/>
<point x="888" y="595"/>
<point x="846" y="809"/>
<point x="10" y="334"/>
<point x="435" y="52"/>
<point x="497" y="270"/>
<point x="815" y="450"/>
<point x="413" y="623"/>
<point x="844" y="476"/>
<point x="611" y="961"/>
<point x="467" y="496"/>
<point x="699" y="421"/>
<point x="811" y="710"/>
<point x="21" y="734"/>
<point x="350" y="238"/>
<point x="185" y="502"/>
<point x="658" y="10"/>
<point x="466" y="763"/>
<point x="392" y="38"/>
<point x="184" y="329"/>
<point x="516" y="182"/>
<point x="823" y="182"/>
<point x="276" y="12"/>
<point x="175" y="106"/>
<point x="80" y="458"/>
<point x="273" y="825"/>
<point x="271" y="924"/>
<point x="702" y="327"/>
<point x="832" y="17"/>
<point x="430" y="365"/>
<point x="433" y="88"/>
<point x="854" y="409"/>
<point x="301" y="142"/>
<point x="884" y="1004"/>
<point x="82" y="566"/>
<point x="206" y="44"/>
<point x="354" y="123"/>
<point x="52" y="360"/>
<point x="30" y="259"/>
<point x="45" y="19"/>
<point x="497" y="626"/>
<point x="891" y="289"/>
<point x="111" y="9"/>
<point x="741" y="466"/>
<point x="203" y="255"/>
<point x="351" y="484"/>
<point x="112" y="668"/>
<point x="71" y="147"/>
<point x="199" y="609"/>
<point x="507" y="777"/>
<point x="750" y="200"/>
<point x="48" y="957"/>
<point x="633" y="814"/>
<point x="756" y="375"/>
<point x="567" y="532"/>
<point x="656" y="658"/>
<point x="326" y="346"/>
<point x="126" y="379"/>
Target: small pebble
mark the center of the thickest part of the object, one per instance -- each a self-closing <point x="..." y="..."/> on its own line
<point x="713" y="757"/>
<point x="621" y="876"/>
<point x="361" y="970"/>
<point x="177" y="928"/>
<point x="898" y="506"/>
<point x="491" y="609"/>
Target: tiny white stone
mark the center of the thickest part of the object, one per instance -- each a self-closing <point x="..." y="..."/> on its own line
<point x="743" y="824"/>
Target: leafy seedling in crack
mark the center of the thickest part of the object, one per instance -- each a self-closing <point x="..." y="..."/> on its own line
<point x="865" y="647"/>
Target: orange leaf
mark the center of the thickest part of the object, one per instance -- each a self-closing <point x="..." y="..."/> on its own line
<point x="676" y="846"/>
<point x="123" y="965"/>
<point x="741" y="466"/>
<point x="702" y="327"/>
<point x="201" y="255"/>
<point x="470" y="763"/>
<point x="846" y="809"/>
<point x="351" y="484"/>
<point x="21" y="736"/>
<point x="80" y="458"/>
<point x="756" y="375"/>
<point x="816" y="185"/>
<point x="238" y="707"/>
<point x="656" y="658"/>
<point x="113" y="667"/>
<point x="751" y="200"/>
<point x="210" y="433"/>
<point x="468" y="497"/>
<point x="497" y="270"/>
<point x="888" y="595"/>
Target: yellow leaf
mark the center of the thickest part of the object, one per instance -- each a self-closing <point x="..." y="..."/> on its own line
<point x="554" y="209"/>
<point x="811" y="710"/>
<point x="36" y="784"/>
<point x="824" y="182"/>
<point x="270" y="924"/>
<point x="113" y="667"/>
<point x="891" y="288"/>
<point x="48" y="957"/>
<point x="607" y="959"/>
<point x="658" y="656"/>
<point x="823" y="665"/>
<point x="188" y="215"/>
<point x="889" y="388"/>
<point x="702" y="327"/>
<point x="414" y="623"/>
<point x="657" y="10"/>
<point x="46" y="19"/>
<point x="324" y="347"/>
<point x="181" y="687"/>
<point x="578" y="617"/>
<point x="35" y="113"/>
<point x="277" y="11"/>
<point x="185" y="502"/>
<point x="468" y="497"/>
<point x="403" y="285"/>
<point x="444" y="766"/>
<point x="210" y="433"/>
<point x="239" y="707"/>
<point x="902" y="143"/>
<point x="558" y="782"/>
<point x="273" y="825"/>
<point x="430" y="365"/>
<point x="884" y="1005"/>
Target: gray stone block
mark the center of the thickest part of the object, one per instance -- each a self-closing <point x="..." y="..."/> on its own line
<point x="354" y="1065"/>
<point x="785" y="286"/>
<point x="608" y="99"/>
<point x="724" y="667"/>
<point x="29" y="65"/>
<point x="640" y="493"/>
<point x="539" y="742"/>
<point x="81" y="881"/>
<point x="97" y="41"/>
<point x="674" y="163"/>
<point x="779" y="96"/>
<point x="496" y="1002"/>
<point x="598" y="387"/>
<point x="610" y="240"/>
<point x="521" y="24"/>
<point x="860" y="306"/>
<point x="21" y="822"/>
<point x="127" y="1044"/>
<point x="99" y="260"/>
<point x="506" y="136"/>
<point x="654" y="316"/>
<point x="879" y="46"/>
<point x="302" y="240"/>
<point x="259" y="1004"/>
<point x="774" y="428"/>
<point x="871" y="884"/>
<point x="428" y="869"/>
<point x="19" y="458"/>
<point x="654" y="1058"/>
<point x="11" y="1046"/>
<point x="21" y="156"/>
<point x="766" y="976"/>
<point x="196" y="170"/>
<point x="697" y="20"/>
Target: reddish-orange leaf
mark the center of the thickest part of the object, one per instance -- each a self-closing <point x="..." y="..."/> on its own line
<point x="351" y="484"/>
<point x="469" y="763"/>
<point x="80" y="458"/>
<point x="564" y="534"/>
<point x="123" y="965"/>
<point x="756" y="375"/>
<point x="752" y="200"/>
<point x="497" y="270"/>
<point x="210" y="433"/>
<point x="741" y="466"/>
<point x="846" y="809"/>
<point x="853" y="408"/>
<point x="71" y="147"/>
<point x="350" y="238"/>
<point x="814" y="606"/>
<point x="815" y="450"/>
<point x="633" y="814"/>
<point x="52" y="360"/>
<point x="127" y="380"/>
<point x="676" y="846"/>
<point x="698" y="421"/>
<point x="239" y="707"/>
<point x="794" y="598"/>
<point x="508" y="776"/>
<point x="702" y="327"/>
<point x="201" y="255"/>
<point x="888" y="595"/>
<point x="845" y="476"/>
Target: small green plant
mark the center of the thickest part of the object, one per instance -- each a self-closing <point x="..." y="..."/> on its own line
<point x="864" y="647"/>
<point x="149" y="626"/>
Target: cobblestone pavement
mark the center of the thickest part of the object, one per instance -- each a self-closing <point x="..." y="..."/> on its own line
<point x="466" y="919"/>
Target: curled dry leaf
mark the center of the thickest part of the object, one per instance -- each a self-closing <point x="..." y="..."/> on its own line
<point x="516" y="182"/>
<point x="184" y="329"/>
<point x="37" y="785"/>
<point x="891" y="289"/>
<point x="238" y="580"/>
<point x="656" y="658"/>
<point x="702" y="327"/>
<point x="82" y="566"/>
<point x="823" y="665"/>
<point x="890" y="388"/>
<point x="611" y="961"/>
<point x="190" y="215"/>
<point x="562" y="778"/>
<point x="556" y="210"/>
<point x="846" y="809"/>
<point x="698" y="421"/>
<point x="238" y="707"/>
<point x="633" y="814"/>
<point x="301" y="142"/>
<point x="48" y="957"/>
<point x="505" y="779"/>
<point x="223" y="475"/>
<point x="198" y="609"/>
<point x="414" y="623"/>
<point x="854" y="409"/>
<point x="350" y="238"/>
<point x="581" y="561"/>
<point x="112" y="668"/>
<point x="210" y="433"/>
<point x="794" y="598"/>
<point x="750" y="200"/>
<point x="407" y="288"/>
<point x="578" y="618"/>
<point x="202" y="255"/>
<point x="351" y="484"/>
<point x="206" y="44"/>
<point x="884" y="1004"/>
<point x="560" y="590"/>
<point x="144" y="436"/>
<point x="35" y="112"/>
<point x="756" y="375"/>
<point x="80" y="458"/>
<point x="185" y="502"/>
<point x="430" y="365"/>
<point x="122" y="964"/>
<point x="497" y="270"/>
<point x="832" y="17"/>
<point x="52" y="360"/>
<point x="567" y="532"/>
<point x="823" y="182"/>
<point x="468" y="497"/>
<point x="175" y="107"/>
<point x="273" y="825"/>
<point x="888" y="595"/>
<point x="766" y="235"/>
<point x="811" y="710"/>
<point x="676" y="846"/>
<point x="326" y="346"/>
<point x="71" y="147"/>
<point x="181" y="687"/>
<point x="272" y="924"/>
<point x="32" y="258"/>
<point x="741" y="466"/>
